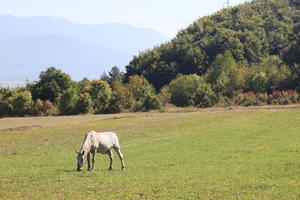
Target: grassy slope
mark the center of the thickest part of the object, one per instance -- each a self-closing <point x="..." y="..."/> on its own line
<point x="240" y="154"/>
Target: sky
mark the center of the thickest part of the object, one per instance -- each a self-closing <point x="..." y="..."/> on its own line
<point x="165" y="16"/>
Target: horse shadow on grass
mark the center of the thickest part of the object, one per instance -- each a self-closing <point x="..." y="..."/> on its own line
<point x="66" y="170"/>
<point x="86" y="171"/>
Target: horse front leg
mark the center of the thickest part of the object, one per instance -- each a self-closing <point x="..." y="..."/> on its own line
<point x="89" y="162"/>
<point x="93" y="160"/>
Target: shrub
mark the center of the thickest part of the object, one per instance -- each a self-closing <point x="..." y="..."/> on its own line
<point x="165" y="95"/>
<point x="205" y="97"/>
<point x="139" y="87"/>
<point x="152" y="102"/>
<point x="276" y="98"/>
<point x="4" y="108"/>
<point x="121" y="98"/>
<point x="21" y="103"/>
<point x="38" y="108"/>
<point x="248" y="99"/>
<point x="49" y="108"/>
<point x="191" y="90"/>
<point x="84" y="104"/>
<point x="142" y="94"/>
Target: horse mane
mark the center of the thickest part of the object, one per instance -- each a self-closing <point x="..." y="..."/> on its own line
<point x="87" y="142"/>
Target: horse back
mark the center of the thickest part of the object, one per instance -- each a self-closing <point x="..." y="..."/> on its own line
<point x="106" y="141"/>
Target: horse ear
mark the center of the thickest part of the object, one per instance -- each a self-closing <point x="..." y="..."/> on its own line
<point x="76" y="152"/>
<point x="82" y="152"/>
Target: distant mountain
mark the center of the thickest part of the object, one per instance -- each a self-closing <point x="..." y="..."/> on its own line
<point x="28" y="56"/>
<point x="31" y="44"/>
<point x="117" y="36"/>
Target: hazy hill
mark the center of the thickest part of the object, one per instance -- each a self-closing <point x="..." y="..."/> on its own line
<point x="251" y="32"/>
<point x="117" y="36"/>
<point x="27" y="57"/>
<point x="31" y="44"/>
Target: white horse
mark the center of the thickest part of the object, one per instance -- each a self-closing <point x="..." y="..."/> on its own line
<point x="100" y="143"/>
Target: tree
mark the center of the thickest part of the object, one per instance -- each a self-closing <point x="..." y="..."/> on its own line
<point x="291" y="56"/>
<point x="270" y="73"/>
<point x="115" y="75"/>
<point x="51" y="84"/>
<point x="67" y="102"/>
<point x="104" y="77"/>
<point x="225" y="75"/>
<point x="84" y="85"/>
<point x="101" y="93"/>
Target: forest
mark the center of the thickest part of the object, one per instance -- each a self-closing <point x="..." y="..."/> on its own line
<point x="243" y="55"/>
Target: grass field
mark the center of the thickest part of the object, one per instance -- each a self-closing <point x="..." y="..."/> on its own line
<point x="177" y="154"/>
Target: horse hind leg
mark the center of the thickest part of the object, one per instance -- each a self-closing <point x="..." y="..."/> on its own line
<point x="111" y="157"/>
<point x="117" y="149"/>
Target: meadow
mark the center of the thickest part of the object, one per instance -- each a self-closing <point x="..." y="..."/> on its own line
<point x="173" y="154"/>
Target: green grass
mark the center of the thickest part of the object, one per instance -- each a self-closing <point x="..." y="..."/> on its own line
<point x="215" y="154"/>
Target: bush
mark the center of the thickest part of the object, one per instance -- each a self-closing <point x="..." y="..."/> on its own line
<point x="191" y="90"/>
<point x="21" y="103"/>
<point x="4" y="108"/>
<point x="50" y="109"/>
<point x="165" y="95"/>
<point x="139" y="87"/>
<point x="205" y="97"/>
<point x="152" y="102"/>
<point x="121" y="98"/>
<point x="142" y="95"/>
<point x="247" y="99"/>
<point x="38" y="108"/>
<point x="84" y="104"/>
<point x="276" y="98"/>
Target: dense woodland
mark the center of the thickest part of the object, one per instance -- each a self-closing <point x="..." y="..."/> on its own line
<point x="245" y="55"/>
<point x="252" y="33"/>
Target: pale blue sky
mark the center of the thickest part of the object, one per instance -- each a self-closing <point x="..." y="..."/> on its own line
<point x="165" y="16"/>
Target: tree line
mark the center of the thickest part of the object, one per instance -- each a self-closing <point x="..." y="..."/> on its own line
<point x="55" y="93"/>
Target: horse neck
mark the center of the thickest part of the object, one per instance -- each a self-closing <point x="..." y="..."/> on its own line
<point x="86" y="145"/>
